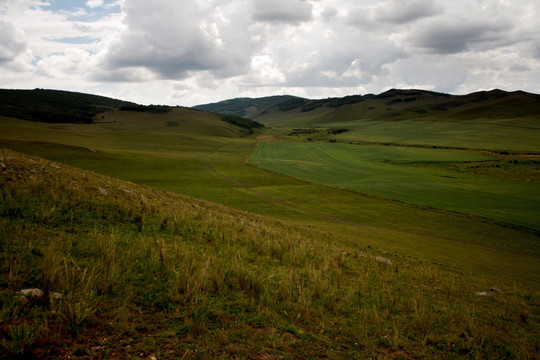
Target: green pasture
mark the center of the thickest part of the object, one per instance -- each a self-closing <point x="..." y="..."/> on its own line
<point x="193" y="153"/>
<point x="507" y="134"/>
<point x="384" y="171"/>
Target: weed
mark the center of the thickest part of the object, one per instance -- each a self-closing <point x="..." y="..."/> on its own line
<point x="21" y="338"/>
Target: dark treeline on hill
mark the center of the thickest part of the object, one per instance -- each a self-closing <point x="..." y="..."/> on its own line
<point x="246" y="107"/>
<point x="155" y="109"/>
<point x="241" y="122"/>
<point x="55" y="106"/>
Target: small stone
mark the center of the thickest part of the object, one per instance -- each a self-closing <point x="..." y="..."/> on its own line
<point x="481" y="293"/>
<point x="35" y="293"/>
<point x="383" y="260"/>
<point x="102" y="191"/>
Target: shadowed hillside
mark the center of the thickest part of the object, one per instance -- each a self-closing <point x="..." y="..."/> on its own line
<point x="54" y="106"/>
<point x="247" y="107"/>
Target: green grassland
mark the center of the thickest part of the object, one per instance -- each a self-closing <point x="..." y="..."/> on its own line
<point x="505" y="135"/>
<point x="194" y="153"/>
<point x="146" y="273"/>
<point x="384" y="171"/>
<point x="264" y="265"/>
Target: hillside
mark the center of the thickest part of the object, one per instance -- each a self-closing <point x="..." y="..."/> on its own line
<point x="392" y="105"/>
<point x="132" y="271"/>
<point x="149" y="233"/>
<point x="247" y="107"/>
<point x="55" y="106"/>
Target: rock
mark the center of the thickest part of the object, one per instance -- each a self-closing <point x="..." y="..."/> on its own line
<point x="102" y="191"/>
<point x="383" y="260"/>
<point x="35" y="293"/>
<point x="55" y="296"/>
<point x="481" y="293"/>
<point x="129" y="192"/>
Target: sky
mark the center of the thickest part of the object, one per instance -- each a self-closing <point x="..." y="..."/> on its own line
<point x="185" y="52"/>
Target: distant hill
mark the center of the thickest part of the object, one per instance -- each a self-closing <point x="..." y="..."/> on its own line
<point x="247" y="107"/>
<point x="55" y="106"/>
<point x="391" y="105"/>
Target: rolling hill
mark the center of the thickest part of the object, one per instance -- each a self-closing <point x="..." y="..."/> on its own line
<point x="54" y="105"/>
<point x="151" y="233"/>
<point x="247" y="107"/>
<point x="392" y="105"/>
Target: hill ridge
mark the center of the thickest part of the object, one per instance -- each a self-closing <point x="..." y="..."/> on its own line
<point x="417" y="102"/>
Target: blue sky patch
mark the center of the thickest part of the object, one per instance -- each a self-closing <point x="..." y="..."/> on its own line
<point x="75" y="40"/>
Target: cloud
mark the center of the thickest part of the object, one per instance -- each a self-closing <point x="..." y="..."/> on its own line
<point x="406" y="11"/>
<point x="450" y="37"/>
<point x="174" y="38"/>
<point x="282" y="11"/>
<point x="432" y="73"/>
<point x="12" y="42"/>
<point x="94" y="3"/>
<point x="192" y="52"/>
<point x="329" y="12"/>
<point x="72" y="61"/>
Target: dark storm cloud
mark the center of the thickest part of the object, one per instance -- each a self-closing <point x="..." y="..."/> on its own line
<point x="448" y="37"/>
<point x="282" y="11"/>
<point x="402" y="12"/>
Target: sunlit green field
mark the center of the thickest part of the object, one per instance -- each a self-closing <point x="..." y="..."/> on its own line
<point x="385" y="171"/>
<point x="506" y="134"/>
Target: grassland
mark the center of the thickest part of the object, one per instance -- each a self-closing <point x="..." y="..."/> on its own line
<point x="146" y="273"/>
<point x="504" y="135"/>
<point x="384" y="171"/>
<point x="286" y="269"/>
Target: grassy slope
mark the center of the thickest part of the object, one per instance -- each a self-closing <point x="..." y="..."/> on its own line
<point x="195" y="154"/>
<point x="401" y="105"/>
<point x="143" y="272"/>
<point x="54" y="105"/>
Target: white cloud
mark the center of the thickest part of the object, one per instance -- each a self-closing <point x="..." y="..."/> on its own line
<point x="94" y="3"/>
<point x="188" y="52"/>
<point x="172" y="39"/>
<point x="12" y="41"/>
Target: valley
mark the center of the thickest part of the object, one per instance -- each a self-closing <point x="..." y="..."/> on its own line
<point x="289" y="218"/>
